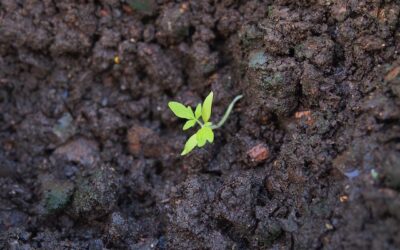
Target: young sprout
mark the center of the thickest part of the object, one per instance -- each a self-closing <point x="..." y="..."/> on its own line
<point x="203" y="111"/>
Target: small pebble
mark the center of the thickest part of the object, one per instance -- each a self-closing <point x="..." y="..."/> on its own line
<point x="258" y="153"/>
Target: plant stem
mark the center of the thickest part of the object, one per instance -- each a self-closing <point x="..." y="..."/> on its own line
<point x="199" y="122"/>
<point x="227" y="113"/>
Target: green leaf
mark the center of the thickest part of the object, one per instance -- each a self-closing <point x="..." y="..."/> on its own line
<point x="208" y="124"/>
<point x="190" y="145"/>
<point x="189" y="124"/>
<point x="203" y="135"/>
<point x="191" y="112"/>
<point x="206" y="109"/>
<point x="198" y="111"/>
<point x="210" y="135"/>
<point x="201" y="140"/>
<point x="181" y="111"/>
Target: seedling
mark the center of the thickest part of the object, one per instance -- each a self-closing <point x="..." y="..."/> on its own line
<point x="203" y="111"/>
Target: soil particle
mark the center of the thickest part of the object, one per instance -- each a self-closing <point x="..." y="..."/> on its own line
<point x="70" y="41"/>
<point x="110" y="38"/>
<point x="318" y="50"/>
<point x="198" y="162"/>
<point x="8" y="167"/>
<point x="146" y="7"/>
<point x="391" y="169"/>
<point x="202" y="61"/>
<point x="95" y="196"/>
<point x="204" y="34"/>
<point x="80" y="150"/>
<point x="146" y="142"/>
<point x="173" y="23"/>
<point x="382" y="107"/>
<point x="258" y="153"/>
<point x="275" y="84"/>
<point x="234" y="203"/>
<point x="340" y="10"/>
<point x="57" y="195"/>
<point x="267" y="232"/>
<point x="187" y="212"/>
<point x="136" y="137"/>
<point x="103" y="59"/>
<point x="228" y="21"/>
<point x="12" y="219"/>
<point x="371" y="43"/>
<point x="159" y="67"/>
<point x="64" y="128"/>
<point x="311" y="80"/>
<point x="96" y="244"/>
<point x="118" y="227"/>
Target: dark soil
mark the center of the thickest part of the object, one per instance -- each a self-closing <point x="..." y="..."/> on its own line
<point x="89" y="152"/>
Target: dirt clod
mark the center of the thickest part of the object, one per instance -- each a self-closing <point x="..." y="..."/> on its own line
<point x="258" y="153"/>
<point x="95" y="195"/>
<point x="80" y="150"/>
<point x="57" y="196"/>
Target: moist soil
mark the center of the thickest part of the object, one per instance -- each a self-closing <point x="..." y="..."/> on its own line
<point x="90" y="152"/>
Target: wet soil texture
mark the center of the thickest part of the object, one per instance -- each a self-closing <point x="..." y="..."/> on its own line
<point x="89" y="152"/>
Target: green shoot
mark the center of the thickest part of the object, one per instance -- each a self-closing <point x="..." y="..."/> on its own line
<point x="205" y="133"/>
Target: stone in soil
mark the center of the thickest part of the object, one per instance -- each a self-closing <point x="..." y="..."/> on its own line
<point x="80" y="150"/>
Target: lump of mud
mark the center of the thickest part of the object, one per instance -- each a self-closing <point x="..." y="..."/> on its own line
<point x="95" y="195"/>
<point x="57" y="195"/>
<point x="381" y="106"/>
<point x="318" y="50"/>
<point x="160" y="68"/>
<point x="15" y="239"/>
<point x="393" y="78"/>
<point x="145" y="7"/>
<point x="268" y="229"/>
<point x="143" y="140"/>
<point x="198" y="161"/>
<point x="173" y="23"/>
<point x="9" y="219"/>
<point x="80" y="151"/>
<point x="118" y="227"/>
<point x="65" y="127"/>
<point x="258" y="154"/>
<point x="313" y="83"/>
<point x="201" y="62"/>
<point x="188" y="214"/>
<point x="273" y="82"/>
<point x="234" y="203"/>
<point x="357" y="157"/>
<point x="391" y="169"/>
<point x="250" y="35"/>
<point x="69" y="40"/>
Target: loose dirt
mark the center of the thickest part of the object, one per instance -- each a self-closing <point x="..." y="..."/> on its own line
<point x="89" y="152"/>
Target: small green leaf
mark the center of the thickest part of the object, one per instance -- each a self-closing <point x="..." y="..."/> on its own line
<point x="201" y="140"/>
<point x="203" y="135"/>
<point x="190" y="145"/>
<point x="191" y="112"/>
<point x="210" y="135"/>
<point x="189" y="124"/>
<point x="198" y="111"/>
<point x="208" y="124"/>
<point x="181" y="111"/>
<point x="206" y="109"/>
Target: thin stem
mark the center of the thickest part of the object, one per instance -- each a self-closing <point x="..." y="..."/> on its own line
<point x="199" y="122"/>
<point x="227" y="113"/>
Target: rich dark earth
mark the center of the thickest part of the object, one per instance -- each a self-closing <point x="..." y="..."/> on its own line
<point x="90" y="152"/>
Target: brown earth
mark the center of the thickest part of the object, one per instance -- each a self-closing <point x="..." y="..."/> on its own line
<point x="89" y="152"/>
